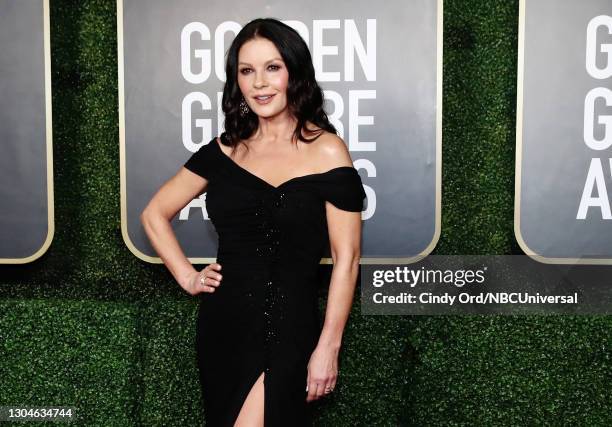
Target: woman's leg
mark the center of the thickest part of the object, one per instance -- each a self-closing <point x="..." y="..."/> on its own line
<point x="252" y="412"/>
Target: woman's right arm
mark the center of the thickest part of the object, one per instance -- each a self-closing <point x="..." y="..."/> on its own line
<point x="173" y="196"/>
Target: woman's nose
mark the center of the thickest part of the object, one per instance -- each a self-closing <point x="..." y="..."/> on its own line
<point x="260" y="81"/>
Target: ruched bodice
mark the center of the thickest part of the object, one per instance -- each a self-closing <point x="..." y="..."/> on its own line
<point x="264" y="316"/>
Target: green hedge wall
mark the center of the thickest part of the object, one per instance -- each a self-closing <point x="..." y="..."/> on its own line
<point x="89" y="325"/>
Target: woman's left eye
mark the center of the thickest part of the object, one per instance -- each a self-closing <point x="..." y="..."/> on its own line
<point x="274" y="67"/>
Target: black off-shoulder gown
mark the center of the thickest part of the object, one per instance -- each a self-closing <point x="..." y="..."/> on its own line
<point x="264" y="316"/>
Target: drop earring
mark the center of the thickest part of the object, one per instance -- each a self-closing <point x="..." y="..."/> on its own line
<point x="244" y="108"/>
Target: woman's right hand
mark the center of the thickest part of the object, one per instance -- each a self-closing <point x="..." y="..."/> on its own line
<point x="206" y="280"/>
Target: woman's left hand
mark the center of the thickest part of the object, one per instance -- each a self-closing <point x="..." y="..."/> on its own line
<point x="322" y="372"/>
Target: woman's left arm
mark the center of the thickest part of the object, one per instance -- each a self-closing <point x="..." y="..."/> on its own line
<point x="344" y="229"/>
<point x="345" y="243"/>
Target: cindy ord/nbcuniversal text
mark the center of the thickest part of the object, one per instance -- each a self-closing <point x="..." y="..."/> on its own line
<point x="481" y="298"/>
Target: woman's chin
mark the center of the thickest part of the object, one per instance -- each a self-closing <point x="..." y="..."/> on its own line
<point x="265" y="113"/>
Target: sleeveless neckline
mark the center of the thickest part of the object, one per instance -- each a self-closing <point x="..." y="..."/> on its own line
<point x="284" y="183"/>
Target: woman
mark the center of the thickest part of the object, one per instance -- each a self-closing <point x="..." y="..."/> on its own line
<point x="280" y="186"/>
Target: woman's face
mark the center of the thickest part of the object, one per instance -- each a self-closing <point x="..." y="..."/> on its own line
<point x="263" y="77"/>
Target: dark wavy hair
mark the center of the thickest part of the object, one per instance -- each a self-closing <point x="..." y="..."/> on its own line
<point x="304" y="95"/>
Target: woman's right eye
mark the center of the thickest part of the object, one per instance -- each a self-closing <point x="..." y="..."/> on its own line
<point x="245" y="70"/>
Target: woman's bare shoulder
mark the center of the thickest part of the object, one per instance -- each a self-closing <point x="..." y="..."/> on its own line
<point x="331" y="151"/>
